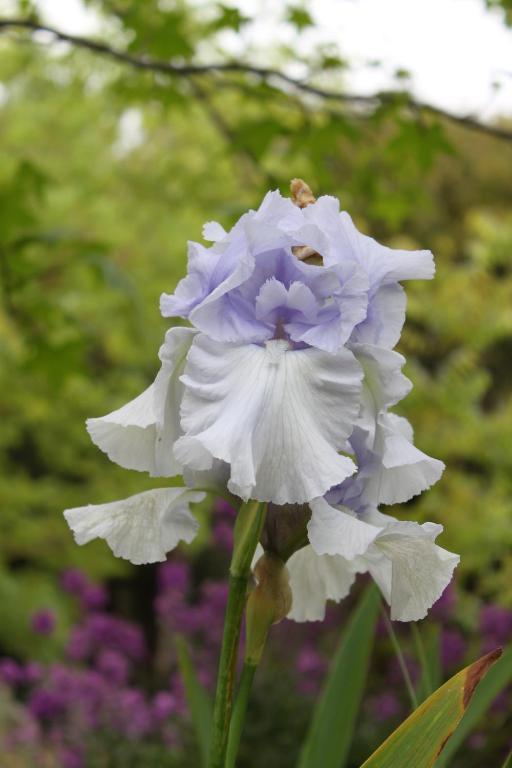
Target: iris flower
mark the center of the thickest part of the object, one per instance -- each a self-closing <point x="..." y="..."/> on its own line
<point x="279" y="389"/>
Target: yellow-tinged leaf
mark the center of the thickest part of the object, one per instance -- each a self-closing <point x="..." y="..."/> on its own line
<point x="421" y="738"/>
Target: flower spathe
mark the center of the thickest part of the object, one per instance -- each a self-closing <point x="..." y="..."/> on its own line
<point x="280" y="390"/>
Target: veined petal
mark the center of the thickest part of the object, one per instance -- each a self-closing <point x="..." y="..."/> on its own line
<point x="140" y="435"/>
<point x="314" y="579"/>
<point x="278" y="416"/>
<point x="411" y="570"/>
<point x="142" y="528"/>
<point x="333" y="531"/>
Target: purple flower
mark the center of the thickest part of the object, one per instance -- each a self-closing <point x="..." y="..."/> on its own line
<point x="11" y="673"/>
<point x="94" y="597"/>
<point x="495" y="625"/>
<point x="43" y="622"/>
<point x="113" y="666"/>
<point x="223" y="509"/>
<point x="33" y="672"/>
<point x="74" y="581"/>
<point x="101" y="630"/>
<point x="453" y="648"/>
<point x="45" y="704"/>
<point x="174" y="575"/>
<point x="164" y="704"/>
<point x="444" y="607"/>
<point x="79" y="645"/>
<point x="222" y="533"/>
<point x="71" y="758"/>
<point x="385" y="706"/>
<point x="133" y="716"/>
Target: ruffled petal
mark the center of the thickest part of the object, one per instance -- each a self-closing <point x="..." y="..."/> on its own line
<point x="410" y="569"/>
<point x="142" y="528"/>
<point x="213" y="231"/>
<point x="384" y="319"/>
<point x="333" y="531"/>
<point x="314" y="579"/>
<point x="127" y="435"/>
<point x="141" y="434"/>
<point x="278" y="416"/>
<point x="387" y="265"/>
<point x="405" y="471"/>
<point x="384" y="383"/>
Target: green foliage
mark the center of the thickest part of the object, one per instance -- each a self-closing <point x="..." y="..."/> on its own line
<point x="335" y="716"/>
<point x="299" y="17"/>
<point x="496" y="680"/>
<point x="198" y="700"/>
<point x="427" y="732"/>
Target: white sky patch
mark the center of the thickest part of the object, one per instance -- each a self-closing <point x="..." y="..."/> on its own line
<point x="130" y="132"/>
<point x="70" y="16"/>
<point x="455" y="50"/>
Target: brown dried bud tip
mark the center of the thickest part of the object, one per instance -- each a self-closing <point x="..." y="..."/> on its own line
<point x="301" y="193"/>
<point x="302" y="196"/>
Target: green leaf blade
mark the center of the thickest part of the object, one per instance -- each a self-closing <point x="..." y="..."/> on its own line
<point x="197" y="699"/>
<point x="495" y="681"/>
<point x="421" y="738"/>
<point x="331" y="730"/>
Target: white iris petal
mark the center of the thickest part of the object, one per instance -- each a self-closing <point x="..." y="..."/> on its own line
<point x="278" y="416"/>
<point x="403" y="470"/>
<point x="337" y="531"/>
<point x="142" y="528"/>
<point x="314" y="579"/>
<point x="411" y="571"/>
<point x="140" y="435"/>
<point x="402" y="557"/>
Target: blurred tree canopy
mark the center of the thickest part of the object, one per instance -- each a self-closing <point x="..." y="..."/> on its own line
<point x="109" y="167"/>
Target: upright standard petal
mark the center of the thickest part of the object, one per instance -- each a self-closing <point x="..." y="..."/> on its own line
<point x="386" y="265"/>
<point x="411" y="571"/>
<point x="140" y="435"/>
<point x="314" y="579"/>
<point x="142" y="528"/>
<point x="276" y="415"/>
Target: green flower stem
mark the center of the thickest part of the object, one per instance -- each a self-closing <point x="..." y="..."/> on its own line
<point x="239" y="713"/>
<point x="400" y="657"/>
<point x="247" y="533"/>
<point x="268" y="603"/>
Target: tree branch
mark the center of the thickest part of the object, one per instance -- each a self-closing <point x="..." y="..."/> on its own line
<point x="267" y="74"/>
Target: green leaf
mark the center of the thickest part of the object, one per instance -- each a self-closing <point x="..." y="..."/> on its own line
<point x="300" y="18"/>
<point x="229" y="18"/>
<point x="420" y="739"/>
<point x="495" y="681"/>
<point x="331" y="730"/>
<point x="508" y="761"/>
<point x="198" y="700"/>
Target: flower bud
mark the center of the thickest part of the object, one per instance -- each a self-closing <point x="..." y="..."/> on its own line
<point x="269" y="602"/>
<point x="285" y="529"/>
